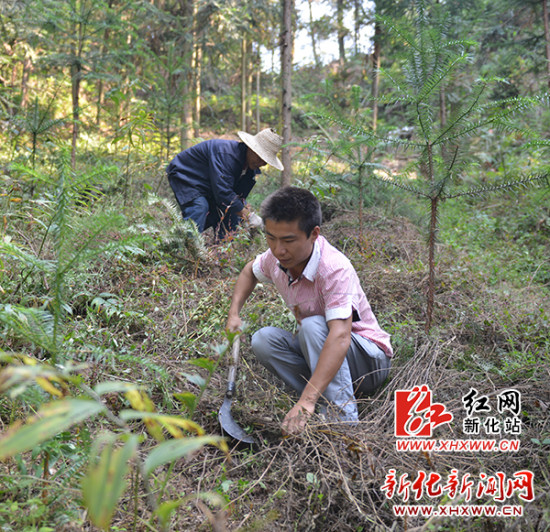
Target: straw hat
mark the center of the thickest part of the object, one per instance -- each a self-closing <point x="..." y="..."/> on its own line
<point x="266" y="144"/>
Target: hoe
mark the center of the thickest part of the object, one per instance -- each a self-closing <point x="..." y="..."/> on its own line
<point x="227" y="423"/>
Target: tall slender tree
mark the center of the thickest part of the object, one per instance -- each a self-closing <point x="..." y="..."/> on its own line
<point x="244" y="83"/>
<point x="196" y="70"/>
<point x="70" y="28"/>
<point x="546" y="37"/>
<point x="389" y="8"/>
<point x="341" y="30"/>
<point x="376" y="72"/>
<point x="312" y="35"/>
<point x="287" y="52"/>
<point x="187" y="12"/>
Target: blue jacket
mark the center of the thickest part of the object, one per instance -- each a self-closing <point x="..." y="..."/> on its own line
<point x="212" y="169"/>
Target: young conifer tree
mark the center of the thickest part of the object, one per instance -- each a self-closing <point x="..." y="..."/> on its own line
<point x="433" y="65"/>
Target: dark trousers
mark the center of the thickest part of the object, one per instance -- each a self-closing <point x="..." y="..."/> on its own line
<point x="206" y="215"/>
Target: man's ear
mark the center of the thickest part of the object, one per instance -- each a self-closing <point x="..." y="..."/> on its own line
<point x="315" y="232"/>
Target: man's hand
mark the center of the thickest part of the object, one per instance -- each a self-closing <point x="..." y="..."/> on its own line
<point x="245" y="213"/>
<point x="296" y="419"/>
<point x="233" y="324"/>
<point x="330" y="360"/>
<point x="243" y="288"/>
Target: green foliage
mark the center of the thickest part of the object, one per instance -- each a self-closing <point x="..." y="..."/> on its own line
<point x="440" y="147"/>
<point x="353" y="145"/>
<point x="107" y="473"/>
<point x="71" y="240"/>
<point x="109" y="307"/>
<point x="37" y="123"/>
<point x="495" y="238"/>
<point x="23" y="516"/>
<point x="110" y="472"/>
<point x="177" y="235"/>
<point x="51" y="420"/>
<point x="126" y="298"/>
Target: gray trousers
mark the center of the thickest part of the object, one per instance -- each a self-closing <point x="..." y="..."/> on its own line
<point x="293" y="358"/>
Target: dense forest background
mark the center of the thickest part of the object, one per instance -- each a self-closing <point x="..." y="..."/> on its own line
<point x="424" y="131"/>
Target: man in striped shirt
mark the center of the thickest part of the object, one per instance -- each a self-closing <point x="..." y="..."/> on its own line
<point x="339" y="351"/>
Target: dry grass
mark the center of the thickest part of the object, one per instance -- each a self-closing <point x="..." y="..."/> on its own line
<point x="330" y="478"/>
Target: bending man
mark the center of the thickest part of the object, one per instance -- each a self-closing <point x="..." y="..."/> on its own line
<point x="212" y="179"/>
<point x="340" y="351"/>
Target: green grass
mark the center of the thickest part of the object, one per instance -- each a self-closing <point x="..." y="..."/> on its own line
<point x="145" y="317"/>
<point x="505" y="239"/>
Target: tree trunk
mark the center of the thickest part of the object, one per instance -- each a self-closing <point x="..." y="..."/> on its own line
<point x="430" y="296"/>
<point x="4" y="81"/>
<point x="197" y="66"/>
<point x="99" y="102"/>
<point x="244" y="78"/>
<point x="187" y="8"/>
<point x="286" y="73"/>
<point x="100" y="87"/>
<point x="170" y="82"/>
<point x="249" y="85"/>
<point x="546" y="37"/>
<point x="313" y="39"/>
<point x="341" y="31"/>
<point x="258" y="73"/>
<point x="76" y="73"/>
<point x="432" y="239"/>
<point x="357" y="8"/>
<point x="187" y="124"/>
<point x="375" y="74"/>
<point x="27" y="67"/>
<point x="247" y="75"/>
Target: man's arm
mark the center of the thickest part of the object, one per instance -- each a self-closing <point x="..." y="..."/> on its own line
<point x="331" y="358"/>
<point x="223" y="171"/>
<point x="243" y="288"/>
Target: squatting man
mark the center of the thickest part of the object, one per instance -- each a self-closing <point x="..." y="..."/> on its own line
<point x="339" y="352"/>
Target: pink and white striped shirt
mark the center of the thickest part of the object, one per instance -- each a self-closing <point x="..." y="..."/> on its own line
<point x="328" y="287"/>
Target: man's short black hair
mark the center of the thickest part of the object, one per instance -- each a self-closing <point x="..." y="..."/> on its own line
<point x="292" y="203"/>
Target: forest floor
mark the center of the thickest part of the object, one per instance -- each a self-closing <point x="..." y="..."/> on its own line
<point x="488" y="335"/>
<point x="491" y="333"/>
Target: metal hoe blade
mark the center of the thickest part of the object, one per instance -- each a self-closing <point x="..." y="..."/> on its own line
<point x="229" y="426"/>
<point x="227" y="423"/>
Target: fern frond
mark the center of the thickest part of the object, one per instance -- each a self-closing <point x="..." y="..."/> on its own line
<point x="539" y="143"/>
<point x="86" y="243"/>
<point x="171" y="208"/>
<point x="182" y="234"/>
<point x="391" y="181"/>
<point x="517" y="183"/>
<point x="29" y="324"/>
<point x="355" y="130"/>
<point x="36" y="175"/>
<point x="28" y="260"/>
